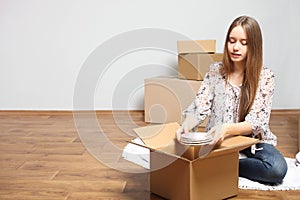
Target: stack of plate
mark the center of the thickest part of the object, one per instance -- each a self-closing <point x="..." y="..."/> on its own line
<point x="196" y="138"/>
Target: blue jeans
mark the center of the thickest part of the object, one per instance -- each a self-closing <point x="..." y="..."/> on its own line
<point x="265" y="166"/>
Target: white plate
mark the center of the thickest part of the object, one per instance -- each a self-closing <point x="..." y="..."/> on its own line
<point x="196" y="138"/>
<point x="195" y="144"/>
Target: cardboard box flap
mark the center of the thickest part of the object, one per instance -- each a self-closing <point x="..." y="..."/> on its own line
<point x="161" y="138"/>
<point x="152" y="137"/>
<point x="162" y="151"/>
<point x="238" y="142"/>
<point x="233" y="144"/>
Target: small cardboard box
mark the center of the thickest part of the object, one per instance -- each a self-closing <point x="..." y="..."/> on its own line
<point x="194" y="66"/>
<point x="166" y="97"/>
<point x="175" y="174"/>
<point x="196" y="46"/>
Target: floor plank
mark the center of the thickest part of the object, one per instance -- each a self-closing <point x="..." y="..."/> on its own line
<point x="42" y="156"/>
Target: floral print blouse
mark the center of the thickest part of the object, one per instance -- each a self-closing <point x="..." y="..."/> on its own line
<point x="219" y="100"/>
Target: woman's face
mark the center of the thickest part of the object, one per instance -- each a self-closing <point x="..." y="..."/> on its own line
<point x="237" y="45"/>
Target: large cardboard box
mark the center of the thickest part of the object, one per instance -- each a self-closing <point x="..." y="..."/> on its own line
<point x="194" y="66"/>
<point x="166" y="97"/>
<point x="196" y="46"/>
<point x="177" y="173"/>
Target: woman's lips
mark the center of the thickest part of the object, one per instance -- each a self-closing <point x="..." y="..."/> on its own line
<point x="236" y="55"/>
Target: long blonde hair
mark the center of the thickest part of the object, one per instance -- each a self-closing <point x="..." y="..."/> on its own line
<point x="253" y="62"/>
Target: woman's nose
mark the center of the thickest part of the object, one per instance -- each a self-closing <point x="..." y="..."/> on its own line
<point x="236" y="46"/>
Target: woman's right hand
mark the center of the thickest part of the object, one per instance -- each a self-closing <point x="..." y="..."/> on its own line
<point x="188" y="124"/>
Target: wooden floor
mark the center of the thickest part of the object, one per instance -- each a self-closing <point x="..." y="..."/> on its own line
<point x="42" y="155"/>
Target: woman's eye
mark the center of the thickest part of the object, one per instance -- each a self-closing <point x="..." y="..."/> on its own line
<point x="244" y="42"/>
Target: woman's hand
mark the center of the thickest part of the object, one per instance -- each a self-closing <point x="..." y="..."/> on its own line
<point x="223" y="133"/>
<point x="232" y="129"/>
<point x="189" y="123"/>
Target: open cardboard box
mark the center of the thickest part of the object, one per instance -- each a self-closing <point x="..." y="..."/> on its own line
<point x="177" y="173"/>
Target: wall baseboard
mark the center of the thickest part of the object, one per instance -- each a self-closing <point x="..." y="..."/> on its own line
<point x="57" y="112"/>
<point x="285" y="112"/>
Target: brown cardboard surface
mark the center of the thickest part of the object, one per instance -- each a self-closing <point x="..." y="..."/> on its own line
<point x="194" y="66"/>
<point x="196" y="46"/>
<point x="162" y="137"/>
<point x="238" y="142"/>
<point x="210" y="178"/>
<point x="166" y="97"/>
<point x="152" y="137"/>
<point x="171" y="181"/>
<point x="215" y="177"/>
<point x="233" y="144"/>
<point x="175" y="177"/>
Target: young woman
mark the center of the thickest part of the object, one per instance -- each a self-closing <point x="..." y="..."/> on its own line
<point x="237" y="93"/>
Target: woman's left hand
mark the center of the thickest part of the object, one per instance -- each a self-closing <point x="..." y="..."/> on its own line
<point x="223" y="133"/>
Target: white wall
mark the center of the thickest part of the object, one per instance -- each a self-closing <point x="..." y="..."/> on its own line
<point x="44" y="45"/>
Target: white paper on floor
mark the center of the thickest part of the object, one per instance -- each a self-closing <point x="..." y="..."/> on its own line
<point x="137" y="154"/>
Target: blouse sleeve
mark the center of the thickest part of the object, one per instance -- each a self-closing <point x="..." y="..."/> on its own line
<point x="260" y="111"/>
<point x="201" y="106"/>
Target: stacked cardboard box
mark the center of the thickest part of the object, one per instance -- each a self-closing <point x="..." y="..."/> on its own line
<point x="195" y="57"/>
<point x="167" y="97"/>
